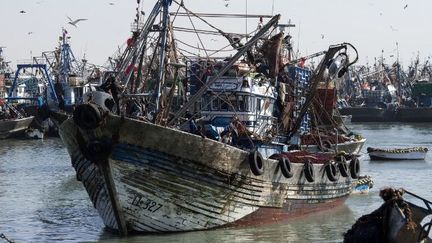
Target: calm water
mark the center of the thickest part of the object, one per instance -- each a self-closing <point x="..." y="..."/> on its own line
<point x="41" y="201"/>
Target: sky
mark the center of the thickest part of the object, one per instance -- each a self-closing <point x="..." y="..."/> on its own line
<point x="375" y="28"/>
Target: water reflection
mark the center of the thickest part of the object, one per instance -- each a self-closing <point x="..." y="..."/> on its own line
<point x="326" y="226"/>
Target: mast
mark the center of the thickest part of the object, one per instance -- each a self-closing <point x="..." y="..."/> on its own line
<point x="162" y="51"/>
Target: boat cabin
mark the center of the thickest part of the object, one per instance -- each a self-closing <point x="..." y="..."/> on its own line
<point x="248" y="98"/>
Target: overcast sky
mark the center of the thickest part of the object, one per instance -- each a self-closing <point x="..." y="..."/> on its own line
<point x="372" y="26"/>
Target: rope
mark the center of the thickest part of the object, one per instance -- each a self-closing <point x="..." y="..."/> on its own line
<point x="198" y="36"/>
<point x="191" y="46"/>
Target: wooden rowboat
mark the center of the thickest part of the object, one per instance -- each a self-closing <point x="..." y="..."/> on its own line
<point x="416" y="153"/>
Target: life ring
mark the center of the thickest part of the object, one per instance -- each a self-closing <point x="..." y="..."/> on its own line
<point x="256" y="163"/>
<point x="308" y="171"/>
<point x="343" y="167"/>
<point x="285" y="167"/>
<point x="355" y="168"/>
<point x="331" y="172"/>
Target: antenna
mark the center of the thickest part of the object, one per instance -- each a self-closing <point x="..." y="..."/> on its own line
<point x="246" y="10"/>
<point x="298" y="37"/>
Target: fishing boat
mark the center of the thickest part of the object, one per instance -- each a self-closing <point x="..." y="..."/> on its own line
<point x="151" y="166"/>
<point x="416" y="153"/>
<point x="12" y="121"/>
<point x="14" y="126"/>
<point x="402" y="217"/>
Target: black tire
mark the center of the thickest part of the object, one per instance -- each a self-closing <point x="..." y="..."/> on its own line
<point x="343" y="167"/>
<point x="285" y="167"/>
<point x="256" y="163"/>
<point x="355" y="168"/>
<point x="331" y="172"/>
<point x="309" y="171"/>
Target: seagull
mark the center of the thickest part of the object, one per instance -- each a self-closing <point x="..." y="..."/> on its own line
<point x="393" y="29"/>
<point x="22" y="11"/>
<point x="74" y="22"/>
<point x="29" y="33"/>
<point x="227" y="2"/>
<point x="406" y="6"/>
<point x="322" y="36"/>
<point x="111" y="3"/>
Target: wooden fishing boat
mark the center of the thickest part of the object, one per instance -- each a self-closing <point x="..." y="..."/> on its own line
<point x="416" y="153"/>
<point x="147" y="173"/>
<point x="11" y="127"/>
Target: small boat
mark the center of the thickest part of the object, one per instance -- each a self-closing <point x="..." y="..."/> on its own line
<point x="362" y="185"/>
<point x="396" y="220"/>
<point x="416" y="153"/>
<point x="11" y="127"/>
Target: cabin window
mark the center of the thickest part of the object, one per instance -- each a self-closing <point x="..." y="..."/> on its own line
<point x="232" y="103"/>
<point x="215" y="104"/>
<point x="258" y="105"/>
<point x="241" y="103"/>
<point x="224" y="104"/>
<point x="206" y="103"/>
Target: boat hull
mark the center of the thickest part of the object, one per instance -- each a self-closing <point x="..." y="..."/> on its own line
<point x="9" y="128"/>
<point x="419" y="114"/>
<point x="368" y="114"/>
<point x="158" y="179"/>
<point x="380" y="155"/>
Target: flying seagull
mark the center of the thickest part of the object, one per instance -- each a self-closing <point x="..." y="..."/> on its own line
<point x="406" y="6"/>
<point x="392" y="28"/>
<point x="227" y="2"/>
<point x="22" y="11"/>
<point x="74" y="22"/>
<point x="322" y="36"/>
<point x="111" y="3"/>
<point x="29" y="33"/>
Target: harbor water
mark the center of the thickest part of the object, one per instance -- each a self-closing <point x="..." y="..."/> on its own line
<point x="41" y="200"/>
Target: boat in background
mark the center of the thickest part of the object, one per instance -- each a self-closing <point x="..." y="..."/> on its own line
<point x="12" y="121"/>
<point x="421" y="107"/>
<point x="416" y="153"/>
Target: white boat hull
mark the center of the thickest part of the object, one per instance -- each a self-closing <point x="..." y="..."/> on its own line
<point x="380" y="155"/>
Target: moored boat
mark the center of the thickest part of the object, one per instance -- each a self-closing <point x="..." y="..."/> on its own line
<point x="144" y="172"/>
<point x="13" y="126"/>
<point x="416" y="153"/>
<point x="362" y="185"/>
